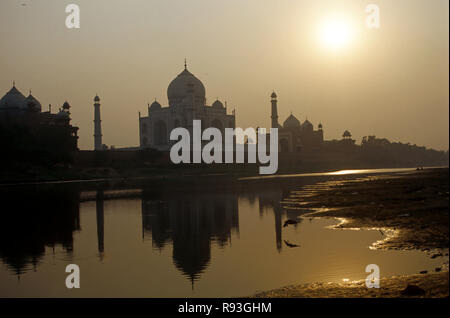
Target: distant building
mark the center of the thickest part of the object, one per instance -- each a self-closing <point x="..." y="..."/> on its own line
<point x="347" y="138"/>
<point x="294" y="136"/>
<point x="25" y="127"/>
<point x="187" y="101"/>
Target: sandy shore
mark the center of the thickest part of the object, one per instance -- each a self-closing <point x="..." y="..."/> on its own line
<point x="434" y="285"/>
<point x="410" y="209"/>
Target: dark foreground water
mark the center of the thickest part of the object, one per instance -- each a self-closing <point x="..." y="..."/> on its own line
<point x="166" y="242"/>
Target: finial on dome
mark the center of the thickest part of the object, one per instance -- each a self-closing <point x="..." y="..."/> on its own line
<point x="14" y="83"/>
<point x="185" y="64"/>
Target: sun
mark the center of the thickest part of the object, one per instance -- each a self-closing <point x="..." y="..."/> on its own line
<point x="335" y="33"/>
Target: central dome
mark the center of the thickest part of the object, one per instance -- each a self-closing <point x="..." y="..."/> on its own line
<point x="186" y="86"/>
<point x="13" y="99"/>
<point x="291" y="122"/>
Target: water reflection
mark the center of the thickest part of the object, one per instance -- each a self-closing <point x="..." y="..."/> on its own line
<point x="270" y="202"/>
<point x="100" y="214"/>
<point x="190" y="223"/>
<point x="164" y="242"/>
<point x="34" y="220"/>
<point x="42" y="216"/>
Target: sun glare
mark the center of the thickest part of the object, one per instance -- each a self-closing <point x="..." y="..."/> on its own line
<point x="335" y="33"/>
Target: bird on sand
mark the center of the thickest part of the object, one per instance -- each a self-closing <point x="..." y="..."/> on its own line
<point x="288" y="244"/>
<point x="287" y="222"/>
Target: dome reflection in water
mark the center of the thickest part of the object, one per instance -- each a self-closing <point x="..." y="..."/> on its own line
<point x="168" y="241"/>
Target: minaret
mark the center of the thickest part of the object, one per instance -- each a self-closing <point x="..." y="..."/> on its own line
<point x="97" y="125"/>
<point x="274" y="110"/>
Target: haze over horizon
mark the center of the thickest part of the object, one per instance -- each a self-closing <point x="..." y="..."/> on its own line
<point x="391" y="82"/>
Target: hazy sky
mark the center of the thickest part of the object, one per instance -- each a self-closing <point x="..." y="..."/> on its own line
<point x="391" y="82"/>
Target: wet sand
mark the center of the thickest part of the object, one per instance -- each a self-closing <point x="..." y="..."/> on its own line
<point x="411" y="210"/>
<point x="434" y="285"/>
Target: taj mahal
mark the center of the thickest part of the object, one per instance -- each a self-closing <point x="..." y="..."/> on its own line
<point x="187" y="102"/>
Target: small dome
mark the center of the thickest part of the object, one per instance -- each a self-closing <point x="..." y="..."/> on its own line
<point x="273" y="95"/>
<point x="291" y="122"/>
<point x="66" y="105"/>
<point x="13" y="99"/>
<point x="155" y="106"/>
<point x="32" y="103"/>
<point x="185" y="86"/>
<point x="307" y="125"/>
<point x="217" y="104"/>
<point x="347" y="134"/>
<point x="96" y="98"/>
<point x="320" y="126"/>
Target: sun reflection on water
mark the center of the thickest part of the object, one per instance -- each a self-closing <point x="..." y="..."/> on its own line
<point x="344" y="172"/>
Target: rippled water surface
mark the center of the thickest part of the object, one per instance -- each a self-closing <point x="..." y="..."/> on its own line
<point x="164" y="243"/>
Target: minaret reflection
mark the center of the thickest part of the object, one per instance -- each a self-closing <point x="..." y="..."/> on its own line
<point x="190" y="222"/>
<point x="100" y="223"/>
<point x="272" y="200"/>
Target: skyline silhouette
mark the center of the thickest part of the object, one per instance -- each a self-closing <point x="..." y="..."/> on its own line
<point x="382" y="83"/>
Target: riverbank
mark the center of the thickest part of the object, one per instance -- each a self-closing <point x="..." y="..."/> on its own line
<point x="33" y="174"/>
<point x="433" y="285"/>
<point x="411" y="210"/>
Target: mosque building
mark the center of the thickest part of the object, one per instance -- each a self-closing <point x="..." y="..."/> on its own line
<point x="187" y="102"/>
<point x="42" y="128"/>
<point x="295" y="136"/>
